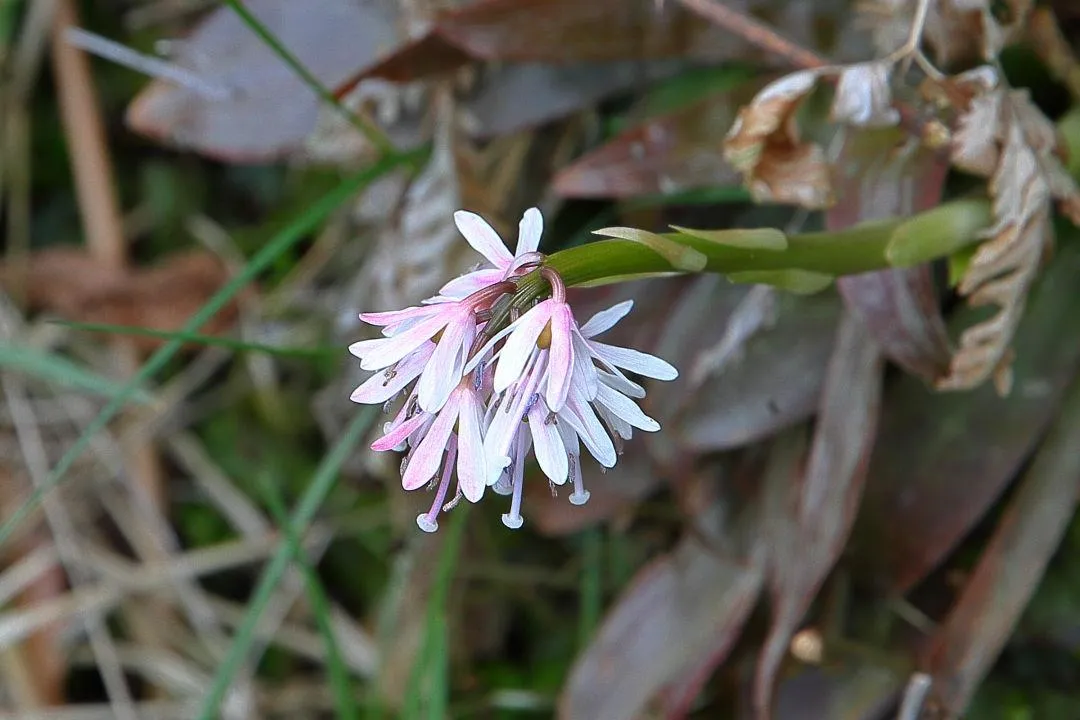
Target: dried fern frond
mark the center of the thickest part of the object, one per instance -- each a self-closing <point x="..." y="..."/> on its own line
<point x="1002" y="135"/>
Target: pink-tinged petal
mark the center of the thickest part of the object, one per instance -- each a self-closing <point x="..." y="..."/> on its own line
<point x="397" y="434"/>
<point x="382" y="352"/>
<point x="520" y="345"/>
<point x="530" y="229"/>
<point x="561" y="370"/>
<point x="585" y="377"/>
<point x="582" y="419"/>
<point x="394" y="317"/>
<point x="635" y="361"/>
<point x="379" y="388"/>
<point x="483" y="238"/>
<point x="548" y="445"/>
<point x="438" y="379"/>
<point x="471" y="466"/>
<point x="625" y="409"/>
<point x="425" y="459"/>
<point x="462" y="287"/>
<point x="606" y="319"/>
<point x="617" y="381"/>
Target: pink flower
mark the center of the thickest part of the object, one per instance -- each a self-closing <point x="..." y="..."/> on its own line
<point x="540" y="384"/>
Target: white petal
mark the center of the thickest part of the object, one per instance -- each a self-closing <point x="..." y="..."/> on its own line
<point x="606" y="319"/>
<point x="635" y="361"/>
<point x="395" y="435"/>
<point x="483" y="238"/>
<point x="583" y="420"/>
<point x="471" y="468"/>
<point x="530" y="229"/>
<point x="616" y="424"/>
<point x="379" y="388"/>
<point x="585" y="377"/>
<point x="439" y="378"/>
<point x="548" y="445"/>
<point x="617" y="381"/>
<point x="521" y="344"/>
<point x="626" y="409"/>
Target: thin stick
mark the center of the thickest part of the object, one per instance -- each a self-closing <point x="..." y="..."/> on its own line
<point x="755" y="32"/>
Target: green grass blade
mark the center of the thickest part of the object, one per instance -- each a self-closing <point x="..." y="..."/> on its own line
<point x="344" y="701"/>
<point x="374" y="135"/>
<point x="321" y="483"/>
<point x="438" y="697"/>
<point x="277" y="245"/>
<point x="207" y="340"/>
<point x="59" y="370"/>
<point x="436" y="610"/>
<point x="592" y="586"/>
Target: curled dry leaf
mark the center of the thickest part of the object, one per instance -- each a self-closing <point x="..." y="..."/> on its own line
<point x="1002" y="131"/>
<point x="968" y="643"/>
<point x="765" y="144"/>
<point x="863" y="96"/>
<point x="70" y="283"/>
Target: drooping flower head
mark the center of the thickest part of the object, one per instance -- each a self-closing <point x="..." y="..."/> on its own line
<point x="501" y="372"/>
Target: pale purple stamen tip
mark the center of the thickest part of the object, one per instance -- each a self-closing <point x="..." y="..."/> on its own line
<point x="513" y="519"/>
<point x="429" y="521"/>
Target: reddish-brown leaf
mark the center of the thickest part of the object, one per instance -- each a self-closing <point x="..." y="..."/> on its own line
<point x="942" y="459"/>
<point x="677" y="151"/>
<point x="70" y="283"/>
<point x="967" y="644"/>
<point x="769" y="380"/>
<point x="884" y="178"/>
<point x="813" y="512"/>
<point x="680" y="610"/>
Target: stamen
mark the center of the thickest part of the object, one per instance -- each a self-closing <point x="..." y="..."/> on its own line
<point x="389" y="374"/>
<point x="531" y="402"/>
<point x="453" y="501"/>
<point x="478" y="376"/>
<point x="513" y="519"/>
<point x="429" y="521"/>
<point x="580" y="496"/>
<point x="551" y="419"/>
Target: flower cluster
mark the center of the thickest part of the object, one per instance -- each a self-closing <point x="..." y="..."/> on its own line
<point x="500" y="372"/>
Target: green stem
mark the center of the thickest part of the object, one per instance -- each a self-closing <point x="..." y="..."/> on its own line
<point x="862" y="248"/>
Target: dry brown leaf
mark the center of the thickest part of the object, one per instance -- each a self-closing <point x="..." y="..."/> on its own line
<point x="70" y="283"/>
<point x="863" y="96"/>
<point x="765" y="146"/>
<point x="1021" y="144"/>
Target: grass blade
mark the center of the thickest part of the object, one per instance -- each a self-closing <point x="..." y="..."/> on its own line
<point x="59" y="370"/>
<point x="200" y="339"/>
<point x="435" y="621"/>
<point x="344" y="701"/>
<point x="374" y="135"/>
<point x="321" y="483"/>
<point x="277" y="245"/>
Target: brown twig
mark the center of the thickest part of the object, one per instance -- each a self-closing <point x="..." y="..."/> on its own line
<point x="755" y="32"/>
